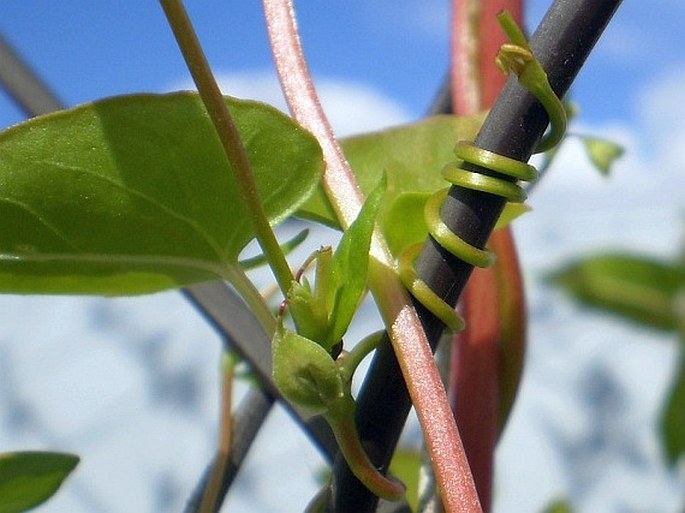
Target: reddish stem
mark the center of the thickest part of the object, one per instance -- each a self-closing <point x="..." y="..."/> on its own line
<point x="474" y="384"/>
<point x="492" y="37"/>
<point x="409" y="341"/>
<point x="488" y="358"/>
<point x="477" y="362"/>
<point x="476" y="38"/>
<point x="464" y="74"/>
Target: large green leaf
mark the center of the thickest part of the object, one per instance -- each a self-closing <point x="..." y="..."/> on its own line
<point x="635" y="287"/>
<point x="30" y="478"/>
<point x="412" y="156"/>
<point x="134" y="194"/>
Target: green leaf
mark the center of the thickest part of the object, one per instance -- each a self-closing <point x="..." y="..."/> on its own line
<point x="405" y="221"/>
<point x="602" y="152"/>
<point x="287" y="247"/>
<point x="406" y="213"/>
<point x="412" y="156"/>
<point x="350" y="266"/>
<point x="635" y="287"/>
<point x="405" y="466"/>
<point x="29" y="478"/>
<point x="558" y="506"/>
<point x="511" y="212"/>
<point x="134" y="194"/>
<point x="304" y="372"/>
<point x="673" y="417"/>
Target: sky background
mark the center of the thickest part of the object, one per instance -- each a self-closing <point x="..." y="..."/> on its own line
<point x="125" y="383"/>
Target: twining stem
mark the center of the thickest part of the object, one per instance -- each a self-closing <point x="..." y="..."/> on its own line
<point x="350" y="361"/>
<point x="229" y="137"/>
<point x="404" y="328"/>
<point x="518" y="58"/>
<point x="341" y="419"/>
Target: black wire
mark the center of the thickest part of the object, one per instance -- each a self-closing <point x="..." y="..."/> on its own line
<point x="513" y="128"/>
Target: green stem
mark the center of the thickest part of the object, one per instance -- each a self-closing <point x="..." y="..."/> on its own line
<point x="249" y="293"/>
<point x="340" y="416"/>
<point x="349" y="363"/>
<point x="228" y="135"/>
<point x="518" y="58"/>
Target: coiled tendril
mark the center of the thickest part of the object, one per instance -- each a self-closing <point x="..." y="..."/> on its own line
<point x="517" y="58"/>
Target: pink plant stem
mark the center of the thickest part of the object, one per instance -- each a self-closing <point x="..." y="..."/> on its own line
<point x="464" y="71"/>
<point x="476" y="38"/>
<point x="492" y="37"/>
<point x="409" y="341"/>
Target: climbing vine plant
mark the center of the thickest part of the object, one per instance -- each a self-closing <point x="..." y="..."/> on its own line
<point x="136" y="194"/>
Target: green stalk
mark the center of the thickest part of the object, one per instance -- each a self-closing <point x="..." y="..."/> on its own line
<point x="349" y="363"/>
<point x="228" y="135"/>
<point x="341" y="419"/>
<point x="252" y="297"/>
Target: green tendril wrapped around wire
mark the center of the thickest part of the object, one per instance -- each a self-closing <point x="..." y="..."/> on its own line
<point x="517" y="58"/>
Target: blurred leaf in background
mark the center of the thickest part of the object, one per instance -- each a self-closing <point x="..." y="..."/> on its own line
<point x="646" y="291"/>
<point x="28" y="479"/>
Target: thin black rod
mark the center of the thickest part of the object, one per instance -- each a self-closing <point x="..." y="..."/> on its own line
<point x="513" y="128"/>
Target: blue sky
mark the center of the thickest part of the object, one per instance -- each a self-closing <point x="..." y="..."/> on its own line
<point x="87" y="49"/>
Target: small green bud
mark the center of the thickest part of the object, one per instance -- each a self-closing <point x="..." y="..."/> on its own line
<point x="304" y="372"/>
<point x="309" y="313"/>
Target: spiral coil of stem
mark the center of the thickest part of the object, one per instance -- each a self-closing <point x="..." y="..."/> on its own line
<point x="504" y="180"/>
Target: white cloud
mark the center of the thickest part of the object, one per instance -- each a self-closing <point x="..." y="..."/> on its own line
<point x="661" y="107"/>
<point x="430" y="18"/>
<point x="412" y="18"/>
<point x="639" y="208"/>
<point x="351" y="107"/>
<point x="642" y="204"/>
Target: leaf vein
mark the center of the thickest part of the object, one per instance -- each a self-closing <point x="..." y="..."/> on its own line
<point x="193" y="224"/>
<point x="40" y="219"/>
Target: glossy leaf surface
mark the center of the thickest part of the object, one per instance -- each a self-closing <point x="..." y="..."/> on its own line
<point x="134" y="194"/>
<point x="412" y="156"/>
<point x="406" y="467"/>
<point x="29" y="478"/>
